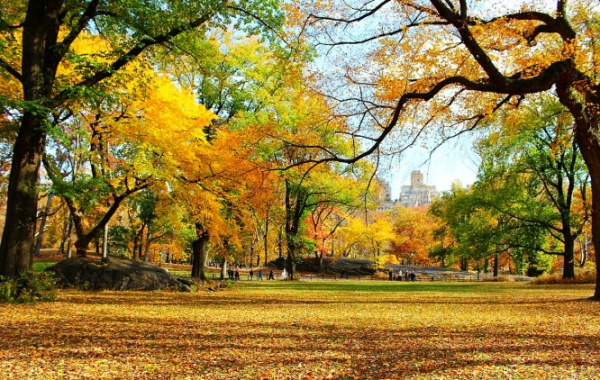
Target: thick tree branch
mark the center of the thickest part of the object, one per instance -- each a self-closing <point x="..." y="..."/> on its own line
<point x="6" y="66"/>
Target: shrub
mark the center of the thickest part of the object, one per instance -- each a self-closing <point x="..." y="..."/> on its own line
<point x="582" y="277"/>
<point x="498" y="279"/>
<point x="28" y="287"/>
<point x="8" y="289"/>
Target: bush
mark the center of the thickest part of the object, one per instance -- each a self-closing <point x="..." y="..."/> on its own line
<point x="498" y="279"/>
<point x="582" y="277"/>
<point x="28" y="287"/>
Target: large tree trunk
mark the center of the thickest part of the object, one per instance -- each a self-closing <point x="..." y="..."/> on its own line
<point x="17" y="244"/>
<point x="81" y="245"/>
<point x="40" y="30"/>
<point x="595" y="179"/>
<point x="596" y="221"/>
<point x="199" y="249"/>
<point x="587" y="129"/>
<point x="251" y="255"/>
<point x="69" y="239"/>
<point x="590" y="150"/>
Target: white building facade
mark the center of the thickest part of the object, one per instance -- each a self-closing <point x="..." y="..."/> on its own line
<point x="417" y="193"/>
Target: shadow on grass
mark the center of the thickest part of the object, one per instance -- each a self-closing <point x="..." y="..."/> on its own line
<point x="283" y="293"/>
<point x="235" y="347"/>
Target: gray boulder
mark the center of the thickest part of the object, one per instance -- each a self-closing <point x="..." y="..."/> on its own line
<point x="115" y="274"/>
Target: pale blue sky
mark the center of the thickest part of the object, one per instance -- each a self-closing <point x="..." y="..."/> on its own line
<point x="454" y="160"/>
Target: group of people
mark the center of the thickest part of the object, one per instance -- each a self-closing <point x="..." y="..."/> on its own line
<point x="234" y="275"/>
<point x="408" y="275"/>
<point x="259" y="275"/>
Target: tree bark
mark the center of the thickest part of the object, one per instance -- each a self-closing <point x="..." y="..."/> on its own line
<point x="251" y="255"/>
<point x="224" y="268"/>
<point x="17" y="246"/>
<point x="40" y="236"/>
<point x="320" y="262"/>
<point x="569" y="257"/>
<point x="496" y="263"/>
<point x="280" y="243"/>
<point x="39" y="66"/>
<point x="199" y="249"/>
<point x="587" y="129"/>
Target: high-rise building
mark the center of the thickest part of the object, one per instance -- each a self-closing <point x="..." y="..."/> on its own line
<point x="417" y="193"/>
<point x="386" y="203"/>
<point x="387" y="190"/>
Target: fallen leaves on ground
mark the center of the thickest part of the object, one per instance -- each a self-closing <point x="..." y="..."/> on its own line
<point x="317" y="330"/>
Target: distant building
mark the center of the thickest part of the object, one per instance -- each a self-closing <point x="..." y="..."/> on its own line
<point x="417" y="193"/>
<point x="387" y="190"/>
<point x="386" y="203"/>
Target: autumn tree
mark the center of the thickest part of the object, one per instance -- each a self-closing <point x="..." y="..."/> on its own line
<point x="323" y="221"/>
<point x="366" y="234"/>
<point x="470" y="233"/>
<point x="155" y="218"/>
<point x="414" y="235"/>
<point x="124" y="148"/>
<point x="37" y="38"/>
<point x="533" y="174"/>
<point x="454" y="210"/>
<point x="449" y="65"/>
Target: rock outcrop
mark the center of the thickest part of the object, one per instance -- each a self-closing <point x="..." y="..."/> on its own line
<point x="115" y="274"/>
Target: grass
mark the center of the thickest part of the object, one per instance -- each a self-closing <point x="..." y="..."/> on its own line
<point x="309" y="330"/>
<point x="41" y="265"/>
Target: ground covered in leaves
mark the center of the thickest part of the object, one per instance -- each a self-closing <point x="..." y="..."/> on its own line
<point x="283" y="330"/>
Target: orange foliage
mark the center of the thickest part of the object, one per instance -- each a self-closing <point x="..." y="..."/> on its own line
<point x="414" y="228"/>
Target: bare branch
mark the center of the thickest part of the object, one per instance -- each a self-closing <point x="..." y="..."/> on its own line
<point x="367" y="13"/>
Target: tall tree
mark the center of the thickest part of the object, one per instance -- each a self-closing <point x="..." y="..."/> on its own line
<point x="470" y="231"/>
<point x="126" y="149"/>
<point x="37" y="39"/>
<point x="414" y="230"/>
<point x="452" y="64"/>
<point x="538" y="176"/>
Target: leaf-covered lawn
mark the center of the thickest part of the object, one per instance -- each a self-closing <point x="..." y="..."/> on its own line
<point x="282" y="330"/>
